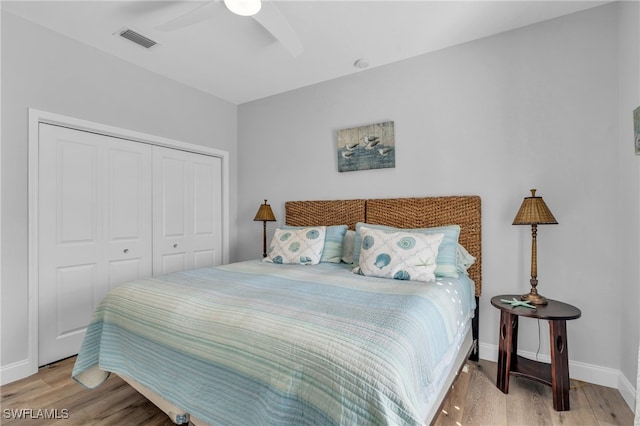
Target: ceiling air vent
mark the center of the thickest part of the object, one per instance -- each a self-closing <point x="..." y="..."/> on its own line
<point x="138" y="39"/>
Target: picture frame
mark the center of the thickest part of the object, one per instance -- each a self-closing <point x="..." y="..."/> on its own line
<point x="366" y="147"/>
<point x="636" y="129"/>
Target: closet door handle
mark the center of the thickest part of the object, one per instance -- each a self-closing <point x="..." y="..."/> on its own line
<point x="126" y="250"/>
<point x="175" y="245"/>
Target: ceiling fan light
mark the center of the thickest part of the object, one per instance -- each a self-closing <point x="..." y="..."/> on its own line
<point x="243" y="7"/>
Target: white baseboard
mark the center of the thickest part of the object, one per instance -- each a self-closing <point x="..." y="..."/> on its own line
<point x="591" y="373"/>
<point x="628" y="391"/>
<point x="16" y="371"/>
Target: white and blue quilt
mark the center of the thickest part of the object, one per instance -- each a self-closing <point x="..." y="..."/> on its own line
<point x="254" y="343"/>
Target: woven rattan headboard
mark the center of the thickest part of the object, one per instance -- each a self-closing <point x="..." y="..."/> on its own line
<point x="402" y="213"/>
<point x="331" y="212"/>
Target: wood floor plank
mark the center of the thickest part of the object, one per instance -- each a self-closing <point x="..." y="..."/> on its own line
<point x="606" y="404"/>
<point x="452" y="408"/>
<point x="47" y="398"/>
<point x="485" y="404"/>
<point x="91" y="397"/>
<point x="474" y="400"/>
<point x="124" y="407"/>
<point x="23" y="389"/>
<point x="580" y="413"/>
<point x="58" y="372"/>
<point x="528" y="401"/>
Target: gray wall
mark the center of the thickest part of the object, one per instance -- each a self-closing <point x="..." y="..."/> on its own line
<point x="44" y="70"/>
<point x="533" y="108"/>
<point x="629" y="190"/>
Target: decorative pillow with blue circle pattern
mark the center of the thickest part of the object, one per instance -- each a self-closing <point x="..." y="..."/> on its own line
<point x="332" y="251"/>
<point x="447" y="252"/>
<point x="398" y="255"/>
<point x="301" y="246"/>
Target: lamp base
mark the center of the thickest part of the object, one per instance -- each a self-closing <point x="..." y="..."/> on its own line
<point x="534" y="298"/>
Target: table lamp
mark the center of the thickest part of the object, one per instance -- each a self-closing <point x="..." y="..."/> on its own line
<point x="265" y="214"/>
<point x="534" y="212"/>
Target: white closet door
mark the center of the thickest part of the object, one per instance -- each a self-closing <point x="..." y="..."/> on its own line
<point x="187" y="219"/>
<point x="94" y="229"/>
<point x="128" y="206"/>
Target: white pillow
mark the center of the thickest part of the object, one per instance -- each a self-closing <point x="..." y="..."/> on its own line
<point x="347" y="246"/>
<point x="465" y="259"/>
<point x="398" y="255"/>
<point x="302" y="246"/>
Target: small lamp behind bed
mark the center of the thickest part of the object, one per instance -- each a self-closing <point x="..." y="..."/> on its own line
<point x="534" y="211"/>
<point x="265" y="214"/>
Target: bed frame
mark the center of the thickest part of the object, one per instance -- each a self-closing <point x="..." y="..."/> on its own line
<point x="398" y="212"/>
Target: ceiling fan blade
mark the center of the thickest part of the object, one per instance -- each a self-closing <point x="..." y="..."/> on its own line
<point x="274" y="21"/>
<point x="194" y="16"/>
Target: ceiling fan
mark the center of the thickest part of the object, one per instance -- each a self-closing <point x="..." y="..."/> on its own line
<point x="264" y="12"/>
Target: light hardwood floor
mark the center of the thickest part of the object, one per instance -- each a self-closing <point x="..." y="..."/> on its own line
<point x="474" y="400"/>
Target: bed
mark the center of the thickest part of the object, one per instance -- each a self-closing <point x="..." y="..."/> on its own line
<point x="263" y="343"/>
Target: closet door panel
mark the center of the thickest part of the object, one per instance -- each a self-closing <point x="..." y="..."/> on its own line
<point x="74" y="286"/>
<point x="94" y="229"/>
<point x="175" y="262"/>
<point x="207" y="240"/>
<point x="187" y="210"/>
<point x="122" y="271"/>
<point x="128" y="209"/>
<point x="173" y="173"/>
<point x="204" y="258"/>
<point x="76" y="190"/>
<point x="70" y="239"/>
<point x="171" y="177"/>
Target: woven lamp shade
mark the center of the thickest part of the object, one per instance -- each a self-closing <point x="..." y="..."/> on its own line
<point x="534" y="211"/>
<point x="265" y="213"/>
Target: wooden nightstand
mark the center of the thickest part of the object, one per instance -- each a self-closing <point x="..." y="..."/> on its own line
<point x="555" y="374"/>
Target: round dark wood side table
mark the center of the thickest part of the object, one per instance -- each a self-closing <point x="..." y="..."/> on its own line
<point x="555" y="374"/>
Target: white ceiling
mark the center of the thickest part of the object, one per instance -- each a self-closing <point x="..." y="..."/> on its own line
<point x="236" y="59"/>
